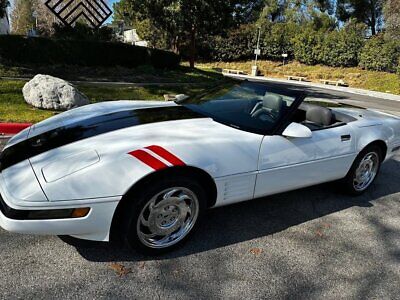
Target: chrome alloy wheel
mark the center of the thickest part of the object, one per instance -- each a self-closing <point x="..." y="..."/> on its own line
<point x="366" y="172"/>
<point x="167" y="218"/>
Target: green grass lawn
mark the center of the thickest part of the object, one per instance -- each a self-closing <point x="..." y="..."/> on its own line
<point x="14" y="109"/>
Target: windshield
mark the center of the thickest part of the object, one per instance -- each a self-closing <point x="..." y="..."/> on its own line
<point x="248" y="106"/>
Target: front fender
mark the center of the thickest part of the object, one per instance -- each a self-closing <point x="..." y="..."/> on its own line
<point x="383" y="133"/>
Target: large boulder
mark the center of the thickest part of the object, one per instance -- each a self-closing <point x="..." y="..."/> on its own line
<point x="47" y="92"/>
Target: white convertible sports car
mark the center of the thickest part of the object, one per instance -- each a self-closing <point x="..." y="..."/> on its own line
<point x="144" y="172"/>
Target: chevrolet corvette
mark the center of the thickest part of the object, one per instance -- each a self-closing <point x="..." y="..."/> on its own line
<point x="144" y="172"/>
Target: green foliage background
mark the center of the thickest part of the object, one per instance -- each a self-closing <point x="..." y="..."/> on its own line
<point x="380" y="55"/>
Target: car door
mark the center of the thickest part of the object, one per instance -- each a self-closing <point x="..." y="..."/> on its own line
<point x="290" y="163"/>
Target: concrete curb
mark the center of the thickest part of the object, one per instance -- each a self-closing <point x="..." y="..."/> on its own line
<point x="355" y="91"/>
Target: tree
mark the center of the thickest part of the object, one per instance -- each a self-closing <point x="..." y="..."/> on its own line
<point x="28" y="14"/>
<point x="273" y="11"/>
<point x="392" y="19"/>
<point x="125" y="12"/>
<point x="22" y="19"/>
<point x="247" y="11"/>
<point x="45" y="18"/>
<point x="3" y="6"/>
<point x="297" y="11"/>
<point x="369" y="12"/>
<point x="185" y="20"/>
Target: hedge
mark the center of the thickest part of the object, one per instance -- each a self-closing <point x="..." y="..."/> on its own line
<point x="22" y="50"/>
<point x="336" y="48"/>
<point x="380" y="55"/>
<point x="308" y="47"/>
<point x="342" y="48"/>
<point x="278" y="40"/>
<point x="238" y="45"/>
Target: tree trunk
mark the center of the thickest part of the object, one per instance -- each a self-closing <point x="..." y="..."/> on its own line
<point x="373" y="19"/>
<point x="192" y="58"/>
<point x="175" y="44"/>
<point x="373" y="25"/>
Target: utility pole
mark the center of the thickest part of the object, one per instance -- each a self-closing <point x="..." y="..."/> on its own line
<point x="35" y="15"/>
<point x="257" y="52"/>
<point x="284" y="55"/>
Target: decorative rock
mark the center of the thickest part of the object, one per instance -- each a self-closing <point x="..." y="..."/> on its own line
<point x="47" y="92"/>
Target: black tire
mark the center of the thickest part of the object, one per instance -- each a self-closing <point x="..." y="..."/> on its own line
<point x="141" y="203"/>
<point x="348" y="184"/>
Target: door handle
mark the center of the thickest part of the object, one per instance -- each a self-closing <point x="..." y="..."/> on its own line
<point x="345" y="138"/>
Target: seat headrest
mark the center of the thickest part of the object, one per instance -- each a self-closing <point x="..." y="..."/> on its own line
<point x="319" y="115"/>
<point x="273" y="102"/>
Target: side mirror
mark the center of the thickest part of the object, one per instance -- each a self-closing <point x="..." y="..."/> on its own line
<point x="296" y="130"/>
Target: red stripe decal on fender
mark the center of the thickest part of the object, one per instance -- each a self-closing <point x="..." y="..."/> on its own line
<point x="168" y="156"/>
<point x="149" y="160"/>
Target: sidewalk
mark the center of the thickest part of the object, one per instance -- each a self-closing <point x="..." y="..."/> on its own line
<point x="355" y="91"/>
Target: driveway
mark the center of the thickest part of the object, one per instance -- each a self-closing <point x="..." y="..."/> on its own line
<point x="313" y="243"/>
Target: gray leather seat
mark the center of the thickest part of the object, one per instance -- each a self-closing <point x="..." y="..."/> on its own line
<point x="272" y="105"/>
<point x="320" y="116"/>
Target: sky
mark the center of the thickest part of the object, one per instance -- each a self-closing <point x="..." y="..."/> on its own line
<point x="111" y="2"/>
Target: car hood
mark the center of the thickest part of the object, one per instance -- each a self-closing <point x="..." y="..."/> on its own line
<point x="81" y="114"/>
<point x="87" y="122"/>
<point x="76" y="147"/>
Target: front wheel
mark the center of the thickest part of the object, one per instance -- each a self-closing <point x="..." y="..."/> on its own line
<point x="166" y="213"/>
<point x="364" y="170"/>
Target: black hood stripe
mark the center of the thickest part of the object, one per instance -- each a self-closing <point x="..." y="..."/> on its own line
<point x="89" y="128"/>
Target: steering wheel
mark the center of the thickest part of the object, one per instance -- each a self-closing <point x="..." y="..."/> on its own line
<point x="262" y="113"/>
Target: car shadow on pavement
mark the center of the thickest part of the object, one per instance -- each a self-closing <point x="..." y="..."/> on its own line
<point x="253" y="219"/>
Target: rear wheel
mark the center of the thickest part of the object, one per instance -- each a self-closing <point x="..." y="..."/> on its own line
<point x="164" y="215"/>
<point x="364" y="170"/>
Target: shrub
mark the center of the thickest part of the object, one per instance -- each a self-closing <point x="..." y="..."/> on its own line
<point x="81" y="31"/>
<point x="380" y="55"/>
<point x="342" y="48"/>
<point x="239" y="44"/>
<point x="278" y="39"/>
<point x="163" y="59"/>
<point x="19" y="50"/>
<point x="308" y="47"/>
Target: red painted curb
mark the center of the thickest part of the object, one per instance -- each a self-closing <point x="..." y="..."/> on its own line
<point x="12" y="128"/>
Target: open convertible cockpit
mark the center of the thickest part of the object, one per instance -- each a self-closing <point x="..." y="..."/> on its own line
<point x="258" y="108"/>
<point x="316" y="117"/>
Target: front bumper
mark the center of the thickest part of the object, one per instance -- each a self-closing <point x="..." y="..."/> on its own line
<point x="95" y="226"/>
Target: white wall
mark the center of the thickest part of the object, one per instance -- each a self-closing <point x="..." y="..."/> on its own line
<point x="131" y="36"/>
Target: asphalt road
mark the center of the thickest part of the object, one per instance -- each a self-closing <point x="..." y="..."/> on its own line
<point x="313" y="243"/>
